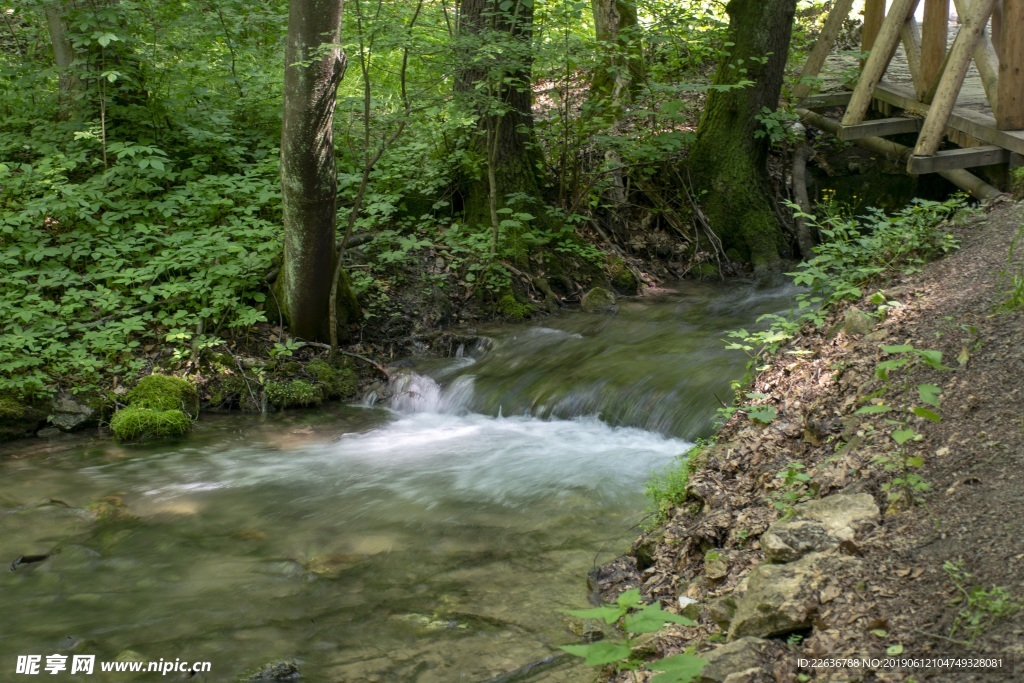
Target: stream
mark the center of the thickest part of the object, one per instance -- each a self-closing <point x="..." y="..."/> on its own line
<point x="434" y="538"/>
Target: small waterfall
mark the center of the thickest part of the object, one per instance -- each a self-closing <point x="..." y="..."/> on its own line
<point x="414" y="393"/>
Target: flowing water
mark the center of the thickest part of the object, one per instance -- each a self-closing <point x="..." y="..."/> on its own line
<point x="434" y="538"/>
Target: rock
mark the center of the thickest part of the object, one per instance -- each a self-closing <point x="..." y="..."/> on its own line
<point x="17" y="418"/>
<point x="273" y="671"/>
<point x="820" y="525"/>
<point x="69" y="414"/>
<point x="164" y="392"/>
<point x="144" y="424"/>
<point x="599" y="300"/>
<point x="689" y="608"/>
<point x="715" y="566"/>
<point x="609" y="580"/>
<point x="783" y="598"/>
<point x="721" y="610"/>
<point x="48" y="432"/>
<point x="747" y="659"/>
<point x="857" y="322"/>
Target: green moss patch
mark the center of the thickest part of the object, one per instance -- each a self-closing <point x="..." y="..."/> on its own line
<point x="295" y="394"/>
<point x="136" y="424"/>
<point x="163" y="393"/>
<point x="513" y="309"/>
<point x="18" y="419"/>
<point x="337" y="382"/>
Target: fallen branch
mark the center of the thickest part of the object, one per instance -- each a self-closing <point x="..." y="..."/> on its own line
<point x="377" y="366"/>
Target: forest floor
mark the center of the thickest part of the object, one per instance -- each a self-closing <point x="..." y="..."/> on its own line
<point x="942" y="577"/>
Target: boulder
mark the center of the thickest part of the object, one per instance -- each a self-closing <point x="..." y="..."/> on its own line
<point x="69" y="414"/>
<point x="747" y="659"/>
<point x="599" y="300"/>
<point x="783" y="598"/>
<point x="857" y="322"/>
<point x="820" y="525"/>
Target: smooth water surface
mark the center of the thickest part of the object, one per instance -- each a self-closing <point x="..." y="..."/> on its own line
<point x="436" y="539"/>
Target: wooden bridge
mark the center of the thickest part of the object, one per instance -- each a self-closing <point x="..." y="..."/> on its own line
<point x="955" y="80"/>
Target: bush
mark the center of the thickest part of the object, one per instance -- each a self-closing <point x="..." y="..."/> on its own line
<point x="134" y="424"/>
<point x="164" y="392"/>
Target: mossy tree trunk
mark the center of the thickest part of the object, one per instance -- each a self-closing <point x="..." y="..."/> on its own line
<point x="314" y="65"/>
<point x="621" y="69"/>
<point x="496" y="84"/>
<point x="727" y="163"/>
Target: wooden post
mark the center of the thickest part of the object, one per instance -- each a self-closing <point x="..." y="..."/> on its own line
<point x="874" y="13"/>
<point x="984" y="58"/>
<point x="878" y="60"/>
<point x="933" y="44"/>
<point x="829" y="33"/>
<point x="959" y="59"/>
<point x="1010" y="106"/>
<point x="911" y="35"/>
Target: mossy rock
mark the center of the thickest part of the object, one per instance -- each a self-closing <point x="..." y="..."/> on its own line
<point x="599" y="300"/>
<point x="163" y="393"/>
<point x="17" y="418"/>
<point x="273" y="671"/>
<point x="109" y="509"/>
<point x="338" y="381"/>
<point x="134" y="424"/>
<point x="621" y="276"/>
<point x="513" y="309"/>
<point x="705" y="271"/>
<point x="295" y="394"/>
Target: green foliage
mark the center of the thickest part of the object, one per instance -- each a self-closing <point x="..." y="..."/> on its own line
<point x="164" y="392"/>
<point x="1012" y="274"/>
<point x="297" y="393"/>
<point x="907" y="486"/>
<point x="134" y="424"/>
<point x="666" y="488"/>
<point x="979" y="607"/>
<point x="777" y="126"/>
<point x="635" y="618"/>
<point x="793" y="486"/>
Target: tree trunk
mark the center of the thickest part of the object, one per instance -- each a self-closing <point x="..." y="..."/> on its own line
<point x="314" y="65"/>
<point x="621" y="69"/>
<point x="727" y="162"/>
<point x="498" y="88"/>
<point x="63" y="56"/>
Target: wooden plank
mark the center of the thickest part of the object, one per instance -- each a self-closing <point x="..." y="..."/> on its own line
<point x="878" y="60"/>
<point x="947" y="160"/>
<point x="984" y="58"/>
<point x="952" y="78"/>
<point x="826" y="100"/>
<point x="911" y="36"/>
<point x="1010" y="104"/>
<point x="874" y="14"/>
<point x="978" y="126"/>
<point x="934" y="37"/>
<point x="879" y="128"/>
<point x="827" y="38"/>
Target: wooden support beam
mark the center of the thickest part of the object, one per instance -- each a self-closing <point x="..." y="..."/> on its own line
<point x="1010" y="105"/>
<point x="952" y="78"/>
<point x="879" y="128"/>
<point x="984" y="58"/>
<point x="827" y="38"/>
<point x="962" y="179"/>
<point x="979" y="128"/>
<point x="933" y="45"/>
<point x="826" y="100"/>
<point x="950" y="159"/>
<point x="874" y="14"/>
<point x="878" y="60"/>
<point x="911" y="36"/>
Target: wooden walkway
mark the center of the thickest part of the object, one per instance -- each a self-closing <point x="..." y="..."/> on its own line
<point x="946" y="84"/>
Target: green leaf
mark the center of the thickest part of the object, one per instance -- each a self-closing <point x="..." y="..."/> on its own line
<point x="932" y="358"/>
<point x="678" y="668"/>
<point x="630" y="598"/>
<point x="872" y="410"/>
<point x="915" y="461"/>
<point x="927" y="414"/>
<point x="901" y="436"/>
<point x="599" y="653"/>
<point x="762" y="414"/>
<point x="609" y="614"/>
<point x="929" y="394"/>
<point x="893" y="650"/>
<point x="900" y="348"/>
<point x="651" y="618"/>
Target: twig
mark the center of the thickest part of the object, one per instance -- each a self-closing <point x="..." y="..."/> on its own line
<point x="238" y="364"/>
<point x="319" y="345"/>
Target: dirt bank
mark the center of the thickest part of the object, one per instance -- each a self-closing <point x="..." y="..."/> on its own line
<point x="942" y="577"/>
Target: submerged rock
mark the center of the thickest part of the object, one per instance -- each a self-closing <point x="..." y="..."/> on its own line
<point x="820" y="525"/>
<point x="599" y="300"/>
<point x="273" y="671"/>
